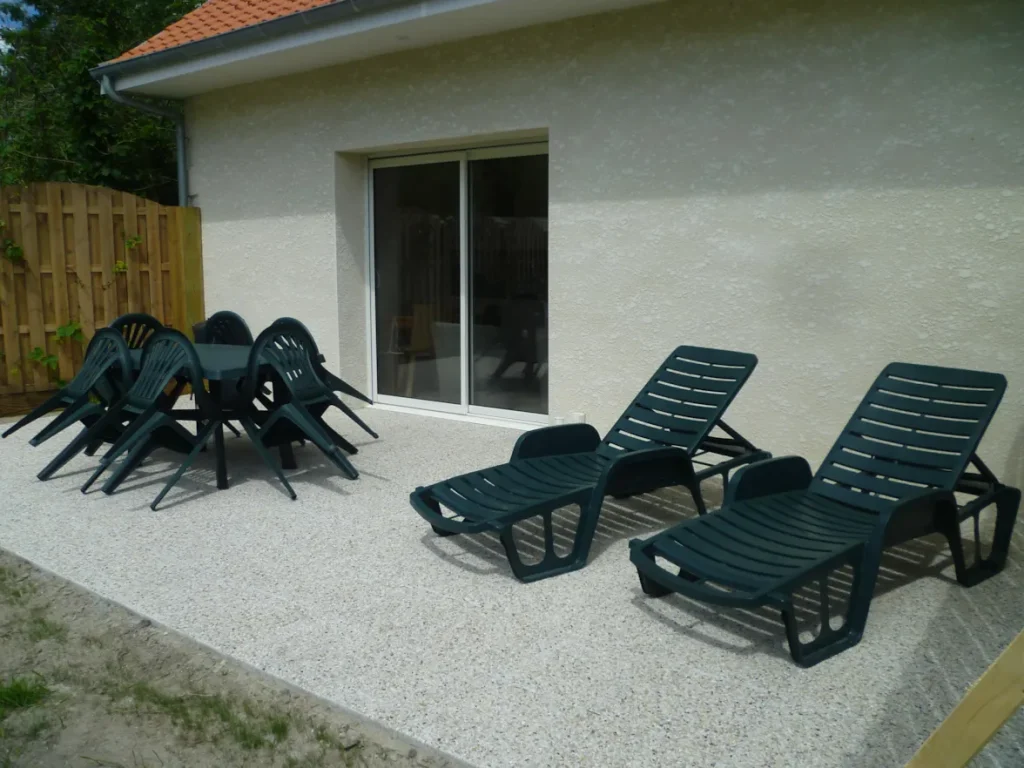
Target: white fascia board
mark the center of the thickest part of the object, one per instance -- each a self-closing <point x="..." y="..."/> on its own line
<point x="351" y="37"/>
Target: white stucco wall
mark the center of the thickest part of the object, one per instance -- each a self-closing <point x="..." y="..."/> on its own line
<point x="831" y="188"/>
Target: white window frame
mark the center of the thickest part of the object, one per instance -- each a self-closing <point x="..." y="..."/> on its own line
<point x="463" y="408"/>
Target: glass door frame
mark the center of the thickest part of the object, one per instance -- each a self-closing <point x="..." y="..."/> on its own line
<point x="463" y="157"/>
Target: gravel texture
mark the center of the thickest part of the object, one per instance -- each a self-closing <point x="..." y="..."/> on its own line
<point x="347" y="593"/>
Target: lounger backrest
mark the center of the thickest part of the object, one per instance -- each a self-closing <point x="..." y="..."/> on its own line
<point x="682" y="401"/>
<point x="916" y="428"/>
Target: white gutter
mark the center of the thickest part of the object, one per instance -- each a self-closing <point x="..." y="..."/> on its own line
<point x="108" y="90"/>
<point x="345" y="30"/>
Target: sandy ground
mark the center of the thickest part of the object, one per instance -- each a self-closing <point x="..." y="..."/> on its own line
<point x="84" y="682"/>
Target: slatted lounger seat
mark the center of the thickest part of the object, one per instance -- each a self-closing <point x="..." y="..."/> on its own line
<point x="890" y="477"/>
<point x="654" y="444"/>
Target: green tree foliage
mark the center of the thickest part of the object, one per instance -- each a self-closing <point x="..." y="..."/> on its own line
<point x="54" y="123"/>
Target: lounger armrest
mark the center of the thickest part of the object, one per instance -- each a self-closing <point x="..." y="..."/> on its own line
<point x="646" y="470"/>
<point x="917" y="515"/>
<point x="766" y="478"/>
<point x="555" y="441"/>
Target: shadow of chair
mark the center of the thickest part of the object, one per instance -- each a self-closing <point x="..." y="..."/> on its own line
<point x="620" y="519"/>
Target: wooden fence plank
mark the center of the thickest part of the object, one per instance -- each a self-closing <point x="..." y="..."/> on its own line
<point x="83" y="261"/>
<point x="192" y="268"/>
<point x="84" y="249"/>
<point x="107" y="255"/>
<point x="131" y="255"/>
<point x="9" y="307"/>
<point x="986" y="706"/>
<point x="33" y="289"/>
<point x="156" y="260"/>
<point x="175" y="273"/>
<point x="59" y="277"/>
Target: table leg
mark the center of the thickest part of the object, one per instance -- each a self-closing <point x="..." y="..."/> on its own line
<point x="218" y="441"/>
<point x="222" y="462"/>
<point x="287" y="456"/>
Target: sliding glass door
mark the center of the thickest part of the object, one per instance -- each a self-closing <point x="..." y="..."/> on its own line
<point x="459" y="257"/>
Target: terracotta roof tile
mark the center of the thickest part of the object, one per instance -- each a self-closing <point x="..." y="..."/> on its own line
<point x="215" y="17"/>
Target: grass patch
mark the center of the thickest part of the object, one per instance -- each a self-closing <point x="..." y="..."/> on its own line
<point x="14" y="589"/>
<point x="39" y="628"/>
<point x="19" y="694"/>
<point x="212" y="716"/>
<point x="279" y="728"/>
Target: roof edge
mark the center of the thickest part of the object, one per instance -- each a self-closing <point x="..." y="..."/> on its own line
<point x="239" y="38"/>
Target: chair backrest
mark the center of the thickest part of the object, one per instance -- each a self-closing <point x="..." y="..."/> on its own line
<point x="289" y="348"/>
<point x="167" y="354"/>
<point x="681" y="403"/>
<point x="137" y="328"/>
<point x="299" y="327"/>
<point x="227" y="327"/>
<point x="106" y="350"/>
<point x="916" y="429"/>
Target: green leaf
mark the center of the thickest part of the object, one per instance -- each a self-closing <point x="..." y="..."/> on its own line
<point x="72" y="331"/>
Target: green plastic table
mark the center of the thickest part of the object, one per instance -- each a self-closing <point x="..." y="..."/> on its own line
<point x="226" y="362"/>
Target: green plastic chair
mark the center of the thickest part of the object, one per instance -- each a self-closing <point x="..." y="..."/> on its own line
<point x="136" y="328"/>
<point x="891" y="476"/>
<point x="106" y="374"/>
<point x="334" y="382"/>
<point x="287" y="347"/>
<point x="223" y="327"/>
<point x="168" y="356"/>
<point x="656" y="442"/>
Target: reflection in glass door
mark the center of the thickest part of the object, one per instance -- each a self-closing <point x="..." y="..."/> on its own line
<point x="417" y="270"/>
<point x="462" y="235"/>
<point x="508" y="219"/>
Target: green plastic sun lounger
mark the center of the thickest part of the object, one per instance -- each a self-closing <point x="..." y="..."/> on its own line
<point x="891" y="476"/>
<point x="654" y="444"/>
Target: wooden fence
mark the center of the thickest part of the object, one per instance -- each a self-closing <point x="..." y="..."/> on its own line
<point x="73" y="258"/>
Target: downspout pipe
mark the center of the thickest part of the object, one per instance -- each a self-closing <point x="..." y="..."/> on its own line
<point x="108" y="90"/>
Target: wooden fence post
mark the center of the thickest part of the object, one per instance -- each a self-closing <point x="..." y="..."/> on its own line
<point x="12" y="362"/>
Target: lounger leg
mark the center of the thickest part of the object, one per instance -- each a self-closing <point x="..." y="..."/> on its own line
<point x="552" y="564"/>
<point x="830" y="641"/>
<point x="698" y="498"/>
<point x="231" y="426"/>
<point x="432" y="503"/>
<point x="1007" y="501"/>
<point x="650" y="587"/>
